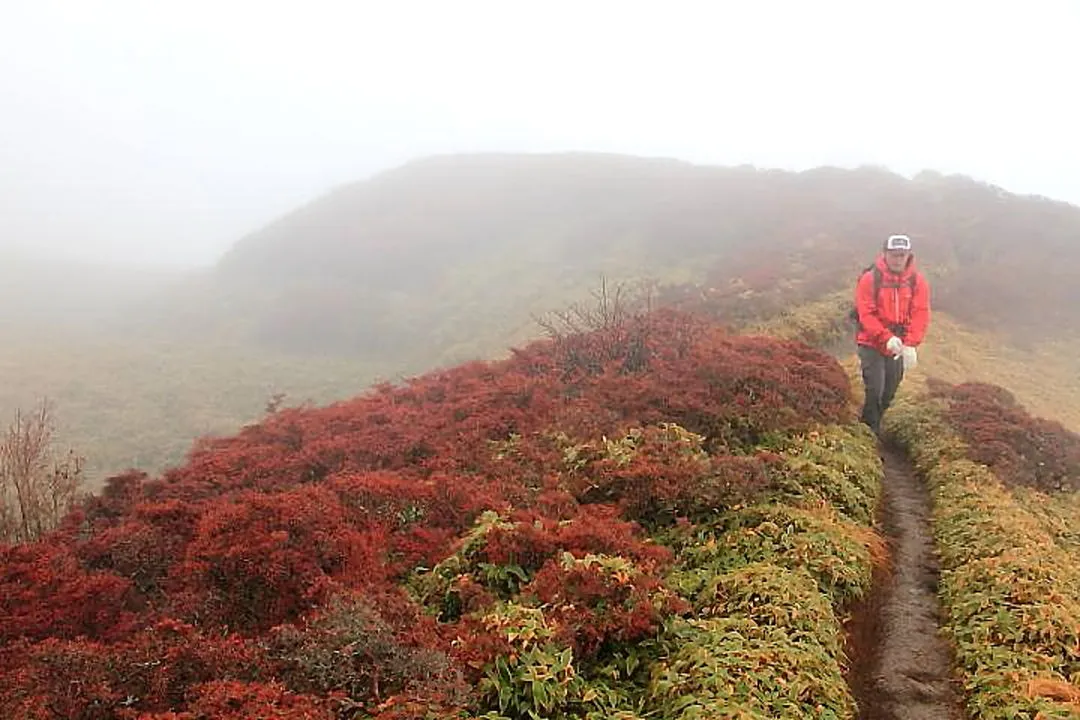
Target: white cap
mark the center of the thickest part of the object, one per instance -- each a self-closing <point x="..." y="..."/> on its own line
<point x="898" y="242"/>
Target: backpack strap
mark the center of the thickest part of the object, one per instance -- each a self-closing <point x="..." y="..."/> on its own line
<point x="853" y="314"/>
<point x="877" y="279"/>
<point x="912" y="281"/>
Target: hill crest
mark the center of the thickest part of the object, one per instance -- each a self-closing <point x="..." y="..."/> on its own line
<point x="418" y="253"/>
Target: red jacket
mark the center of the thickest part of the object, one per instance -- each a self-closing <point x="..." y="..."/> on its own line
<point x="896" y="304"/>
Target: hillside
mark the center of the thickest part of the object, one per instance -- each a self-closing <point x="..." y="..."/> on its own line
<point x="653" y="518"/>
<point x="445" y="259"/>
<point x="453" y="258"/>
<point x="572" y="532"/>
<point x="123" y="400"/>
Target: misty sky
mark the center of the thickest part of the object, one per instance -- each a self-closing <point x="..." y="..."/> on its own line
<point x="165" y="131"/>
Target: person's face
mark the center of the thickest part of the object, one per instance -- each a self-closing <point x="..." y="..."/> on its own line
<point x="896" y="259"/>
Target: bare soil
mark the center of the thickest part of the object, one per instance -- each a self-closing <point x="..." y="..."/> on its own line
<point x="900" y="664"/>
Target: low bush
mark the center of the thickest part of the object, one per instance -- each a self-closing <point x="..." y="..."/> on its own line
<point x="1002" y="435"/>
<point x="1010" y="590"/>
<point x="526" y="538"/>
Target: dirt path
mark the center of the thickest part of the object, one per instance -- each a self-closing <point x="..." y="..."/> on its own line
<point x="901" y="665"/>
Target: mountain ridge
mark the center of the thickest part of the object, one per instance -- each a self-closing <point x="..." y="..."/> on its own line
<point x="779" y="244"/>
<point x="440" y="235"/>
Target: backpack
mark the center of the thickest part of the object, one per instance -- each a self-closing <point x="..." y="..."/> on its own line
<point x="853" y="314"/>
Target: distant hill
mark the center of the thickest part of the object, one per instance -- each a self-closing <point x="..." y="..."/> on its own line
<point x="448" y="257"/>
<point x="127" y="395"/>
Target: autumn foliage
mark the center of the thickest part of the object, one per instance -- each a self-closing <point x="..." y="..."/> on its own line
<point x="1010" y="585"/>
<point x="1001" y="434"/>
<point x="381" y="555"/>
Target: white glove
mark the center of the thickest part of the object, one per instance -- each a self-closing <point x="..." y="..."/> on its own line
<point x="895" y="345"/>
<point x="909" y="357"/>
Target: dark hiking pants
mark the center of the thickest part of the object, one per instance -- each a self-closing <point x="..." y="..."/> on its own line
<point x="881" y="376"/>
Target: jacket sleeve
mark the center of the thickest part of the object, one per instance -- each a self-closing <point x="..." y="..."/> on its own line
<point x="920" y="312"/>
<point x="866" y="304"/>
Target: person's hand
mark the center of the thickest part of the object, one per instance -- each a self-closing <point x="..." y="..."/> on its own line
<point x="895" y="345"/>
<point x="909" y="357"/>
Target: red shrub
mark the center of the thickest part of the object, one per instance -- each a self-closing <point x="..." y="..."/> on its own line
<point x="399" y="502"/>
<point x="161" y="664"/>
<point x="61" y="679"/>
<point x="143" y="546"/>
<point x="474" y="646"/>
<point x="115" y="500"/>
<point x="152" y="672"/>
<point x="260" y="559"/>
<point x="349" y="647"/>
<point x="596" y="600"/>
<point x="658" y="473"/>
<point x="595" y="529"/>
<point x="226" y="700"/>
<point x="44" y="592"/>
<point x="1021" y="449"/>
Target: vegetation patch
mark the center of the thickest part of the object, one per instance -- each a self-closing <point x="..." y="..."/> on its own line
<point x="1010" y="582"/>
<point x="770" y="584"/>
<point x="999" y="433"/>
<point x="838" y="466"/>
<point x="831" y="552"/>
<point x="736" y="667"/>
<point x="579" y="531"/>
<point x="822" y="323"/>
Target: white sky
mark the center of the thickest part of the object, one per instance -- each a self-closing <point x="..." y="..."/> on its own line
<point x="163" y="132"/>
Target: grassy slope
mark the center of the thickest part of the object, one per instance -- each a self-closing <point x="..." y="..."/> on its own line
<point x="544" y="598"/>
<point x="142" y="405"/>
<point x="1010" y="588"/>
<point x="1010" y="583"/>
<point x="538" y="239"/>
<point x="1043" y="376"/>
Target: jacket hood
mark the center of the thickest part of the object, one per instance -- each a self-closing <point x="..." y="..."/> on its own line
<point x="884" y="266"/>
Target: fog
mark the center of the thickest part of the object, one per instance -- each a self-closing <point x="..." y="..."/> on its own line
<point x="159" y="133"/>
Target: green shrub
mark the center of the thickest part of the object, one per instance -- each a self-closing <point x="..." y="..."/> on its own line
<point x="737" y="667"/>
<point x="834" y="465"/>
<point x="833" y="551"/>
<point x="772" y="595"/>
<point x="1010" y="583"/>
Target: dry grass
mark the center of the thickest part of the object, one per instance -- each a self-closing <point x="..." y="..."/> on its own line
<point x="1045" y="379"/>
<point x="143" y="404"/>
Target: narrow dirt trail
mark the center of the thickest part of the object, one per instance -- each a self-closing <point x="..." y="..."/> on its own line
<point x="901" y="664"/>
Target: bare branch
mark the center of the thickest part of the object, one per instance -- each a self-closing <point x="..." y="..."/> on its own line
<point x="614" y="326"/>
<point x="36" y="490"/>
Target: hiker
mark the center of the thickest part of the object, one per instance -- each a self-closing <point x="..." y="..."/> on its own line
<point x="892" y="302"/>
